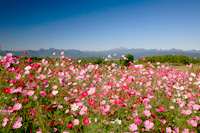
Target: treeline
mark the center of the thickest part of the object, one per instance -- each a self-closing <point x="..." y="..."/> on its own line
<point x="174" y="59"/>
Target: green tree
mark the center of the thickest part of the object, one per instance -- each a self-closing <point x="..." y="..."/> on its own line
<point x="127" y="59"/>
<point x="98" y="61"/>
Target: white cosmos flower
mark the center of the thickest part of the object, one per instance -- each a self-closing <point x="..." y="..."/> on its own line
<point x="192" y="74"/>
<point x="113" y="122"/>
<point x="181" y="88"/>
<point x="190" y="79"/>
<point x="95" y="119"/>
<point x="27" y="68"/>
<point x="118" y="121"/>
<point x="185" y="96"/>
<point x="54" y="92"/>
<point x="74" y="107"/>
<point x="173" y="100"/>
<point x="197" y="82"/>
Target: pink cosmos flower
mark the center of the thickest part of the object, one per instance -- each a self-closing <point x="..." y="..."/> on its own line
<point x="75" y="121"/>
<point x="193" y="123"/>
<point x="54" y="87"/>
<point x="135" y="113"/>
<point x="62" y="53"/>
<point x="148" y="124"/>
<point x="30" y="92"/>
<point x="5" y="120"/>
<point x="171" y="107"/>
<point x="86" y="121"/>
<point x="146" y="101"/>
<point x="60" y="106"/>
<point x="176" y="129"/>
<point x="161" y="109"/>
<point x="186" y="131"/>
<point x="196" y="107"/>
<point x="91" y="90"/>
<point x="137" y="121"/>
<point x="183" y="111"/>
<point x="147" y="113"/>
<point x="44" y="94"/>
<point x="133" y="127"/>
<point x="148" y="83"/>
<point x="16" y="125"/>
<point x="188" y="112"/>
<point x="163" y="121"/>
<point x="17" y="106"/>
<point x="18" y="76"/>
<point x="168" y="130"/>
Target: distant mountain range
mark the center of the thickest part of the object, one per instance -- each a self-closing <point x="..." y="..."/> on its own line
<point x="137" y="53"/>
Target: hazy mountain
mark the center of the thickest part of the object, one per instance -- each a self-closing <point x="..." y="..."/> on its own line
<point x="137" y="53"/>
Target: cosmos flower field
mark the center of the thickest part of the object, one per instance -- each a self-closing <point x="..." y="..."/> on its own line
<point x="65" y="97"/>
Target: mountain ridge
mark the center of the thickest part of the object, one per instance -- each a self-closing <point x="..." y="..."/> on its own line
<point x="136" y="52"/>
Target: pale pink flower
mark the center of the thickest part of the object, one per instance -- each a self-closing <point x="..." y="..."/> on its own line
<point x="168" y="130"/>
<point x="171" y="107"/>
<point x="18" y="76"/>
<point x="4" y="123"/>
<point x="148" y="124"/>
<point x="75" y="122"/>
<point x="197" y="118"/>
<point x="54" y="53"/>
<point x="30" y="92"/>
<point x="196" y="107"/>
<point x="54" y="87"/>
<point x="135" y="113"/>
<point x="163" y="121"/>
<point x="91" y="90"/>
<point x="16" y="125"/>
<point x="147" y="113"/>
<point x="158" y="63"/>
<point x="66" y="111"/>
<point x="106" y="108"/>
<point x="42" y="76"/>
<point x="83" y="110"/>
<point x="14" y="99"/>
<point x="62" y="53"/>
<point x="193" y="123"/>
<point x="133" y="127"/>
<point x="26" y="72"/>
<point x="183" y="111"/>
<point x="5" y="120"/>
<point x="186" y="131"/>
<point x="109" y="56"/>
<point x="188" y="112"/>
<point x="60" y="106"/>
<point x="17" y="106"/>
<point x="148" y="83"/>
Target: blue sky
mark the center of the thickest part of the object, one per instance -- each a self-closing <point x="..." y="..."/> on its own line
<point x="99" y="24"/>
